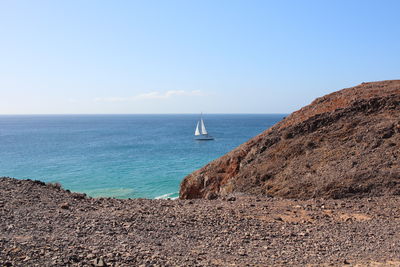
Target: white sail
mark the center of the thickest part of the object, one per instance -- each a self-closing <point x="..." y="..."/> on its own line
<point x="197" y="132"/>
<point x="201" y="132"/>
<point x="203" y="128"/>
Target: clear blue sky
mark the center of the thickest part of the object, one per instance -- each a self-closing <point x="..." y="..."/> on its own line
<point x="190" y="56"/>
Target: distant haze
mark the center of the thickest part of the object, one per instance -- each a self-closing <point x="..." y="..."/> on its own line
<point x="88" y="57"/>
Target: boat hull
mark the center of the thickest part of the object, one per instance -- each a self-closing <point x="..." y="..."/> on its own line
<point x="204" y="138"/>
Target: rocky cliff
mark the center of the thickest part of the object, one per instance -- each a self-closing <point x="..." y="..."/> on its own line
<point x="342" y="144"/>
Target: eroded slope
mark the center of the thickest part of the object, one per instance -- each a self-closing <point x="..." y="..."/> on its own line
<point x="343" y="144"/>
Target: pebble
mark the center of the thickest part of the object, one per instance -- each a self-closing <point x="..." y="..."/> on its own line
<point x="99" y="262"/>
<point x="64" y="206"/>
<point x="231" y="199"/>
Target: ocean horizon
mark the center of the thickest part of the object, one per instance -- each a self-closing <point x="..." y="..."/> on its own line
<point x="119" y="155"/>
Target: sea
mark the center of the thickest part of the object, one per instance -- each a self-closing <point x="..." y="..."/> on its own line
<point x="120" y="156"/>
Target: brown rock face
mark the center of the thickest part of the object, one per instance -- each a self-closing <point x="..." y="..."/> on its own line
<point x="343" y="144"/>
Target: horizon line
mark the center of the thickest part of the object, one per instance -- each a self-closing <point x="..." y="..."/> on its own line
<point x="72" y="114"/>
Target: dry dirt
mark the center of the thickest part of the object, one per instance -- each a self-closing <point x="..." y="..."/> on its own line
<point x="43" y="225"/>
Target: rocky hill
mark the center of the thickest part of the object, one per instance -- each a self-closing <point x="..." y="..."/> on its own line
<point x="343" y="144"/>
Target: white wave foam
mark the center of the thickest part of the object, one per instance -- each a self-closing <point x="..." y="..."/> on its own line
<point x="166" y="196"/>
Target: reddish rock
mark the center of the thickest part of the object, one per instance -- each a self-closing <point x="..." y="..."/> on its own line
<point x="342" y="144"/>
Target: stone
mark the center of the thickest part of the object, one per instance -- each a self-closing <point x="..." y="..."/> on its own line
<point x="64" y="206"/>
<point x="99" y="262"/>
<point x="211" y="195"/>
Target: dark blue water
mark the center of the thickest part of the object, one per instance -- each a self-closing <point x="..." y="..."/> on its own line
<point x="118" y="155"/>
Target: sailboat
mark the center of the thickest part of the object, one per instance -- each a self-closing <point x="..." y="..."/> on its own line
<point x="201" y="133"/>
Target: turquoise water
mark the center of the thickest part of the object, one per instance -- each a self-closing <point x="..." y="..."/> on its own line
<point x="122" y="156"/>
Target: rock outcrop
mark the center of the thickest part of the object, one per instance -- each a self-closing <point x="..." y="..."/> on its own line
<point x="343" y="144"/>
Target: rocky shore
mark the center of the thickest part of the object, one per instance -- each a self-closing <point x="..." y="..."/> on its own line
<point x="44" y="225"/>
<point x="346" y="143"/>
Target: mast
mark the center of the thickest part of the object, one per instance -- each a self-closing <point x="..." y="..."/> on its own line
<point x="201" y="130"/>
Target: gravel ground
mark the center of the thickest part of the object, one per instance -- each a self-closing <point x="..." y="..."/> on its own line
<point x="43" y="225"/>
